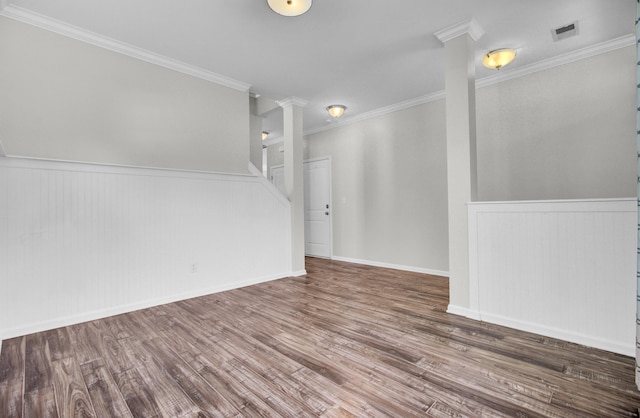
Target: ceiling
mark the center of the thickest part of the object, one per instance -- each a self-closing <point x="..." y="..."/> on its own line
<point x="365" y="54"/>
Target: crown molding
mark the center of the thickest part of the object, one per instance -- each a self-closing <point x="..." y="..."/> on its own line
<point x="61" y="28"/>
<point x="601" y="48"/>
<point x="292" y="101"/>
<point x="590" y="51"/>
<point x="379" y="112"/>
<point x="468" y="26"/>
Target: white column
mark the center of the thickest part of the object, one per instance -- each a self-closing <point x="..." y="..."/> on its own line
<point x="259" y="106"/>
<point x="293" y="177"/>
<point x="459" y="44"/>
<point x="255" y="141"/>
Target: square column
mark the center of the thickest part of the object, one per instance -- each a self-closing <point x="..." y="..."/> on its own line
<point x="293" y="178"/>
<point x="459" y="44"/>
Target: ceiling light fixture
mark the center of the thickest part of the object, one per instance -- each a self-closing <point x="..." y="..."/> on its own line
<point x="265" y="134"/>
<point x="336" y="110"/>
<point x="498" y="58"/>
<point x="290" y="7"/>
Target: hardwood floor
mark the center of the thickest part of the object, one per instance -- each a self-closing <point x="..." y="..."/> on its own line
<point x="343" y="341"/>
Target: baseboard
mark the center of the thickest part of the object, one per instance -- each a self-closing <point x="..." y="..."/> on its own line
<point x="574" y="337"/>
<point x="299" y="273"/>
<point x="392" y="266"/>
<point x="466" y="312"/>
<point x="561" y="334"/>
<point x="122" y="309"/>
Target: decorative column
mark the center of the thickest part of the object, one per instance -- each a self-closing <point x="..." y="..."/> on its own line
<point x="293" y="178"/>
<point x="459" y="44"/>
<point x="638" y="133"/>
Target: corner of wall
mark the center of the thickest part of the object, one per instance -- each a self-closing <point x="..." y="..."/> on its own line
<point x="462" y="311"/>
<point x="2" y="151"/>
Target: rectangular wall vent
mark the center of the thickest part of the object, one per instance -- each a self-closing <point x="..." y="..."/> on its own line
<point x="565" y="31"/>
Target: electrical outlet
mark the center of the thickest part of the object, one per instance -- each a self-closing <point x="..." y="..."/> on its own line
<point x="194" y="268"/>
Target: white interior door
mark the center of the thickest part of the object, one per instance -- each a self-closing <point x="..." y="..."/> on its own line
<point x="317" y="208"/>
<point x="317" y="205"/>
<point x="277" y="178"/>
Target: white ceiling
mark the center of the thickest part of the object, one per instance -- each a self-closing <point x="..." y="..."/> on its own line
<point x="365" y="54"/>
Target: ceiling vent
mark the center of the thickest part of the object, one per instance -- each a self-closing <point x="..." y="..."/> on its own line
<point x="565" y="32"/>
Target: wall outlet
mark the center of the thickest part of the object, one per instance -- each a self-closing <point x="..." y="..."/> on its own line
<point x="194" y="268"/>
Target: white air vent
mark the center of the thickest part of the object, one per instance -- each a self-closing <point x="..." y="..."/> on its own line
<point x="564" y="32"/>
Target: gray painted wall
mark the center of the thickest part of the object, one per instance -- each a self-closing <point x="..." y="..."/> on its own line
<point x="562" y="133"/>
<point x="389" y="187"/>
<point x="67" y="100"/>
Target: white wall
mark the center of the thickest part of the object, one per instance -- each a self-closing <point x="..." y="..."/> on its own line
<point x="566" y="269"/>
<point x="64" y="99"/>
<point x="80" y="241"/>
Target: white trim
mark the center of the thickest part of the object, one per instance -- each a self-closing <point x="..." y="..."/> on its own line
<point x="506" y="75"/>
<point x="377" y="112"/>
<point x="468" y="26"/>
<point x="465" y="312"/>
<point x="392" y="266"/>
<point x="615" y="347"/>
<point x="481" y="309"/>
<point x="621" y="204"/>
<point x="62" y="165"/>
<point x="103" y="313"/>
<point x="269" y="186"/>
<point x="299" y="273"/>
<point x="625" y="349"/>
<point x="2" y="151"/>
<point x="61" y="28"/>
<point x="474" y="287"/>
<point x="326" y="158"/>
<point x="590" y="51"/>
<point x="291" y="101"/>
<point x="311" y="160"/>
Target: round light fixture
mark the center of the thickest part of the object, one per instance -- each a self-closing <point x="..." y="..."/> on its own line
<point x="498" y="58"/>
<point x="290" y="7"/>
<point x="336" y="110"/>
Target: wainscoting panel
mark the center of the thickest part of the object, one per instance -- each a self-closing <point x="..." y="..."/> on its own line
<point x="564" y="269"/>
<point x="81" y="241"/>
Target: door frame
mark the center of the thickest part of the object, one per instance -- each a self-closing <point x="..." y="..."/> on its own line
<point x="312" y="160"/>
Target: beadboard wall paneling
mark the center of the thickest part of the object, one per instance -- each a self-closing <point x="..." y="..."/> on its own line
<point x="82" y="241"/>
<point x="564" y="269"/>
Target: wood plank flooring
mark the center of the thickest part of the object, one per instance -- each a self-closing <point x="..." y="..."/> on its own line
<point x="343" y="341"/>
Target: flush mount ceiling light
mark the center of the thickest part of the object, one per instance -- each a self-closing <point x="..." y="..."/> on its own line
<point x="498" y="58"/>
<point x="336" y="110"/>
<point x="265" y="134"/>
<point x="290" y="7"/>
